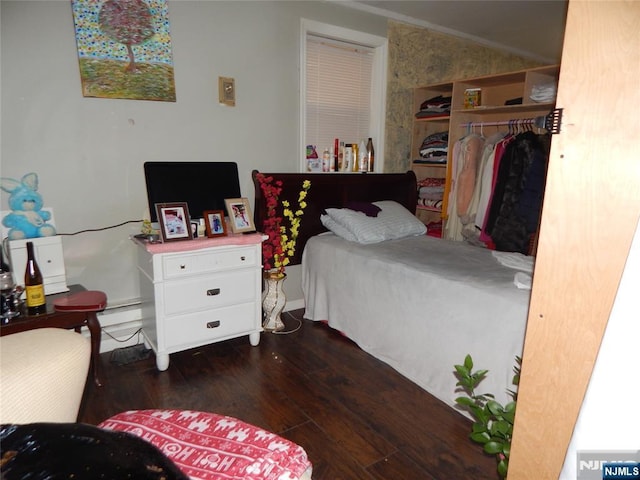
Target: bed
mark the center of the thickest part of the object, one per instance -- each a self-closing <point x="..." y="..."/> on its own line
<point x="418" y="303"/>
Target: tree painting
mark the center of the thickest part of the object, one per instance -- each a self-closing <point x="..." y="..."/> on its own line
<point x="127" y="22"/>
<point x="124" y="49"/>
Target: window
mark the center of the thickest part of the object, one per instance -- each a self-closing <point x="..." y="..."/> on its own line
<point x="342" y="88"/>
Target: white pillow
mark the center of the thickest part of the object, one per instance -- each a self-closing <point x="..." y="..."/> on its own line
<point x="393" y="222"/>
<point x="338" y="229"/>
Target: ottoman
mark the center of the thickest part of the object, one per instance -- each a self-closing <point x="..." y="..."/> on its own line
<point x="209" y="446"/>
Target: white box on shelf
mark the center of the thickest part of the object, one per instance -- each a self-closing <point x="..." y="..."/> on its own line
<point x="50" y="258"/>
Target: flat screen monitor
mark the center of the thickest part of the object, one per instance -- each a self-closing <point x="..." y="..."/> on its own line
<point x="203" y="185"/>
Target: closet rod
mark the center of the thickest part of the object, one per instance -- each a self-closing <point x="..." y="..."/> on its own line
<point x="550" y="122"/>
<point x="537" y="121"/>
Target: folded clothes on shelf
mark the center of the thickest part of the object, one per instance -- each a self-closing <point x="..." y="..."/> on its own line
<point x="435" y="106"/>
<point x="435" y="146"/>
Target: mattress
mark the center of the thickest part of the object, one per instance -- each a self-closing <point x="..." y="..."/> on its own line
<point x="420" y="304"/>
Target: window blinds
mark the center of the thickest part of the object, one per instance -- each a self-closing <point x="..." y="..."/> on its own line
<point x="338" y="91"/>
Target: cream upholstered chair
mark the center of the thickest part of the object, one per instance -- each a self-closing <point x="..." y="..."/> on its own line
<point x="42" y="378"/>
<point x="42" y="375"/>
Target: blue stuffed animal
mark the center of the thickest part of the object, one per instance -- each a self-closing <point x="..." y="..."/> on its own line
<point x="27" y="219"/>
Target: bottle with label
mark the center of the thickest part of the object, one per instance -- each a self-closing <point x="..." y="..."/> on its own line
<point x="354" y="157"/>
<point x="326" y="160"/>
<point x="347" y="161"/>
<point x="362" y="157"/>
<point x="34" y="286"/>
<point x="370" y="155"/>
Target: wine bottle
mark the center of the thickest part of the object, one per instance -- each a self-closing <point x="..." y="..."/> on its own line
<point x="34" y="286"/>
<point x="6" y="278"/>
<point x="4" y="267"/>
<point x="370" y="155"/>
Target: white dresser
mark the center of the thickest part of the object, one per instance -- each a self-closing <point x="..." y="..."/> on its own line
<point x="196" y="292"/>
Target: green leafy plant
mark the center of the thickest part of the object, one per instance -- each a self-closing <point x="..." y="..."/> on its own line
<point x="493" y="423"/>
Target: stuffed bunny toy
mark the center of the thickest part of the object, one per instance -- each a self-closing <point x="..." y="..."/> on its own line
<point x="27" y="219"/>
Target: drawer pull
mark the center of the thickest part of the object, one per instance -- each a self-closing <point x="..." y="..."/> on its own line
<point x="213" y="291"/>
<point x="182" y="267"/>
<point x="213" y="324"/>
<point x="243" y="258"/>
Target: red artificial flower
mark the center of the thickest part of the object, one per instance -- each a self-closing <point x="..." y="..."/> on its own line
<point x="274" y="254"/>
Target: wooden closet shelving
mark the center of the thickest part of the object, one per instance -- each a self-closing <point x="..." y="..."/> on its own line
<point x="423" y="127"/>
<point x="495" y="90"/>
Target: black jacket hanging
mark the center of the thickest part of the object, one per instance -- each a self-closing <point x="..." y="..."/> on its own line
<point x="517" y="199"/>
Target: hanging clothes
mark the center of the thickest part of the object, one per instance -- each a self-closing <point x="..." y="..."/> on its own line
<point x="485" y="179"/>
<point x="485" y="202"/>
<point x="466" y="158"/>
<point x="517" y="198"/>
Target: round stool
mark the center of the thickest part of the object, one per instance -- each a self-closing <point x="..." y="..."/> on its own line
<point x="86" y="304"/>
<point x="209" y="446"/>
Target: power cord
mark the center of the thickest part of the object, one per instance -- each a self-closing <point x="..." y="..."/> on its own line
<point x="5" y="240"/>
<point x="137" y="332"/>
<point x="287" y="332"/>
<point x="101" y="229"/>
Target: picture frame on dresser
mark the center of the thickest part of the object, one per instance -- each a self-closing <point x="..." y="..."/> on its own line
<point x="214" y="223"/>
<point x="240" y="216"/>
<point x="174" y="220"/>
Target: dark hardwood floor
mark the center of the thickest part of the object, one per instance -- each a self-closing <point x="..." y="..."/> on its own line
<point x="355" y="416"/>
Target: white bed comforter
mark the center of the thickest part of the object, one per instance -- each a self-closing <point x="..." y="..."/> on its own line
<point x="420" y="304"/>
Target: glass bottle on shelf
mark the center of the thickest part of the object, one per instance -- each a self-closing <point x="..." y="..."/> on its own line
<point x="370" y="155"/>
<point x="6" y="288"/>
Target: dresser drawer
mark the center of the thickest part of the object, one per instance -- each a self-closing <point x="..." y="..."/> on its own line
<point x="210" y="291"/>
<point x="185" y="264"/>
<point x="205" y="327"/>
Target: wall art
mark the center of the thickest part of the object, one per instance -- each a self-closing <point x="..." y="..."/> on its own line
<point x="124" y="49"/>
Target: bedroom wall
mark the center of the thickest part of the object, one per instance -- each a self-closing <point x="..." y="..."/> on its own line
<point x="88" y="152"/>
<point x="418" y="56"/>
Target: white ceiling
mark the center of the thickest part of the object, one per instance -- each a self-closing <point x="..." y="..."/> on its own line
<point x="533" y="28"/>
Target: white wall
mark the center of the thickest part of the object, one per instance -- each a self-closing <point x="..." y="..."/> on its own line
<point x="89" y="152"/>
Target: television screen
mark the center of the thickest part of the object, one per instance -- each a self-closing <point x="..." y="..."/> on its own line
<point x="203" y="185"/>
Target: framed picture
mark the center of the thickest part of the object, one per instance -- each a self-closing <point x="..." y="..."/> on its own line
<point x="214" y="223"/>
<point x="240" y="216"/>
<point x="174" y="220"/>
<point x="227" y="91"/>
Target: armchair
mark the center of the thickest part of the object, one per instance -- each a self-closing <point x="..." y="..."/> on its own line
<point x="42" y="375"/>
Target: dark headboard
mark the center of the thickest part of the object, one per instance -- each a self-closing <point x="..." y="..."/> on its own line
<point x="333" y="190"/>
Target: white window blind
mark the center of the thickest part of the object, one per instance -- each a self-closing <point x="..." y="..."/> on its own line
<point x="338" y="92"/>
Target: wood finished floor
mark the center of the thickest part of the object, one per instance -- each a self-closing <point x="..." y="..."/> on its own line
<point x="355" y="416"/>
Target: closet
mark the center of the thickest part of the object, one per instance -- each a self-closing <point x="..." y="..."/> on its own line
<point x="484" y="111"/>
<point x="432" y="108"/>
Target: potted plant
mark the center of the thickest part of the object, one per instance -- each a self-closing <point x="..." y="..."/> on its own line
<point x="493" y="423"/>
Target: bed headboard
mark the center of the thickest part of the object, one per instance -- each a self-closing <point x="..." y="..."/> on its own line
<point x="334" y="190"/>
